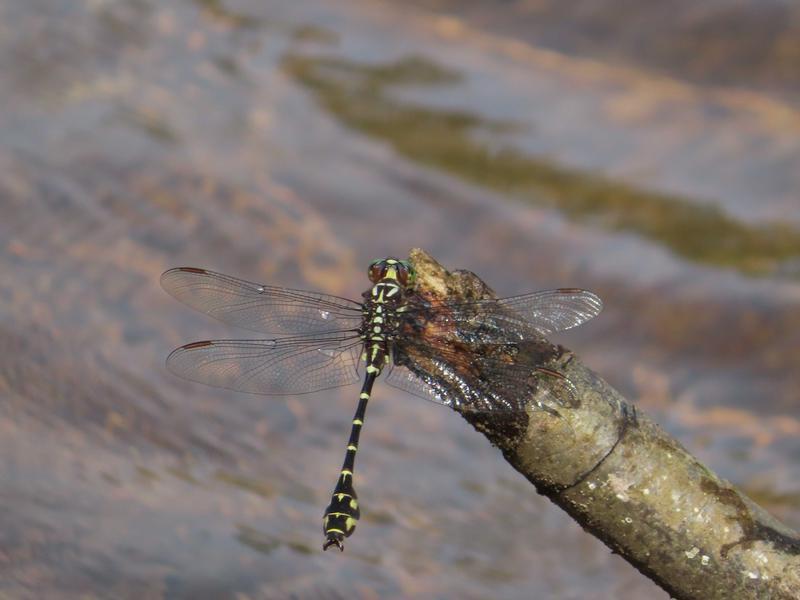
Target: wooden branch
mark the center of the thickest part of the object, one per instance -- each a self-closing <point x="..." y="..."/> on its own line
<point x="628" y="482"/>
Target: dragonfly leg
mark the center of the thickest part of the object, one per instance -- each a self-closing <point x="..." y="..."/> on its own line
<point x="559" y="387"/>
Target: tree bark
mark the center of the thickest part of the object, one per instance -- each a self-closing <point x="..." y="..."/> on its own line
<point x="626" y="481"/>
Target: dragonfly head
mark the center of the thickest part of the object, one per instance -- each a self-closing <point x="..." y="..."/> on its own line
<point x="392" y="268"/>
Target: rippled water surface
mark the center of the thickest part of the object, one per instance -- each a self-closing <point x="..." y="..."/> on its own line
<point x="292" y="143"/>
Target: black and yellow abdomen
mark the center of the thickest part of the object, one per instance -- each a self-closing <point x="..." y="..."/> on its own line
<point x="343" y="512"/>
<point x="380" y="326"/>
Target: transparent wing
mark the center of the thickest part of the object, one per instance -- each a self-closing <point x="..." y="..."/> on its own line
<point x="272" y="367"/>
<point x="510" y="388"/>
<point x="403" y="378"/>
<point x="262" y="308"/>
<point x="555" y="310"/>
<point x="506" y="320"/>
<point x="481" y="383"/>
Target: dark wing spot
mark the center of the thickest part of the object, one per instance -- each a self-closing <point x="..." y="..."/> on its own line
<point x="195" y="345"/>
<point x="192" y="270"/>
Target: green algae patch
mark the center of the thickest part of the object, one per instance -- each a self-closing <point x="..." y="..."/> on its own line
<point x="217" y="11"/>
<point x="313" y="33"/>
<point x="460" y="143"/>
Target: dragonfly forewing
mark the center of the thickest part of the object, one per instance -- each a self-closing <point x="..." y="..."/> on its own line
<point x="261" y="308"/>
<point x="507" y="320"/>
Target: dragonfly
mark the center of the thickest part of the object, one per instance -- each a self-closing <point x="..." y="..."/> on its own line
<point x="432" y="349"/>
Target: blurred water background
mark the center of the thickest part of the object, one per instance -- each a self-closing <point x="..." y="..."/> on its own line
<point x="648" y="152"/>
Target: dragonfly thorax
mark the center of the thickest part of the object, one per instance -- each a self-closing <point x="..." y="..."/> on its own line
<point x="382" y="312"/>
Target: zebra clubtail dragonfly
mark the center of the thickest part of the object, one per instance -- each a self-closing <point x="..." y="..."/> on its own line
<point x="321" y="341"/>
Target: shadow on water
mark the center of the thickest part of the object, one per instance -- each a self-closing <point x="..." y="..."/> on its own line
<point x="359" y="95"/>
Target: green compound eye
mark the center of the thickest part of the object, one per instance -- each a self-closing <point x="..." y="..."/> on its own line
<point x="411" y="274"/>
